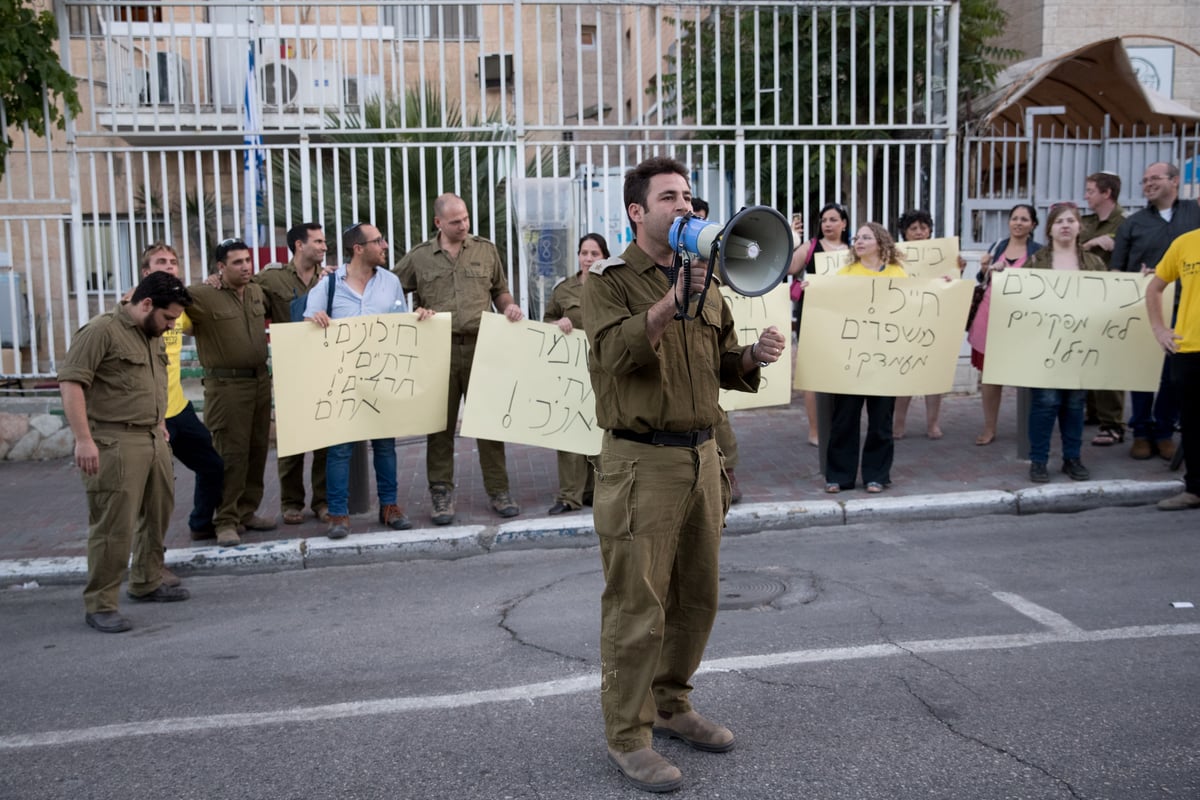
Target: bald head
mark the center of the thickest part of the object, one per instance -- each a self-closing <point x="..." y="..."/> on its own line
<point x="451" y="218"/>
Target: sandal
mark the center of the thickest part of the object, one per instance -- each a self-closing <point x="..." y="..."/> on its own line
<point x="874" y="487"/>
<point x="832" y="488"/>
<point x="293" y="517"/>
<point x="1108" y="437"/>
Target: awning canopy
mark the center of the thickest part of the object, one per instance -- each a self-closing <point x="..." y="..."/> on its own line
<point x="1090" y="82"/>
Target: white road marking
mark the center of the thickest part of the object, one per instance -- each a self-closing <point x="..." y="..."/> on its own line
<point x="582" y="683"/>
<point x="1053" y="621"/>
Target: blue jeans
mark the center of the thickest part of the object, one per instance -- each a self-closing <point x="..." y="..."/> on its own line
<point x="1048" y="405"/>
<point x="337" y="474"/>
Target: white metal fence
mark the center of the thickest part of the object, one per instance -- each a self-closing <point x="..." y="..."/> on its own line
<point x="367" y="111"/>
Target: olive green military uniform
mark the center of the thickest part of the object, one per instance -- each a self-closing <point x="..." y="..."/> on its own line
<point x="130" y="499"/>
<point x="281" y="285"/>
<point x="1107" y="406"/>
<point x="231" y="341"/>
<point x="575" y="476"/>
<point x="466" y="287"/>
<point x="659" y="508"/>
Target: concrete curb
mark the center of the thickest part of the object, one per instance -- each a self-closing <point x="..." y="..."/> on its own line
<point x="577" y="530"/>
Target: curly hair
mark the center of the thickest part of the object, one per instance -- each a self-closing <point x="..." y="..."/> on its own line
<point x="888" y="252"/>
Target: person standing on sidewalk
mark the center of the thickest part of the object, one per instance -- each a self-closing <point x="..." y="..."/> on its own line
<point x="1182" y="263"/>
<point x="460" y="273"/>
<point x="231" y="340"/>
<point x="1141" y="242"/>
<point x="283" y="285"/>
<point x="656" y="381"/>
<point x="361" y="287"/>
<point x="114" y="390"/>
<point x="1097" y="236"/>
<point x="190" y="441"/>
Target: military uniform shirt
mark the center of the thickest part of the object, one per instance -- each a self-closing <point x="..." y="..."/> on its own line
<point x="230" y="331"/>
<point x="566" y="301"/>
<point x="1091" y="227"/>
<point x="671" y="388"/>
<point x="466" y="287"/>
<point x="281" y="285"/>
<point x="122" y="370"/>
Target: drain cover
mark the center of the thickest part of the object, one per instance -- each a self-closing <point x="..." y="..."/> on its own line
<point x="742" y="590"/>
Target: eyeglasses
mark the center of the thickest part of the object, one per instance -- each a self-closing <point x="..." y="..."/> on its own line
<point x="1154" y="179"/>
<point x="376" y="240"/>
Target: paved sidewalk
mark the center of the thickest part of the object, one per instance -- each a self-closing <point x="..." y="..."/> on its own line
<point x="45" y="516"/>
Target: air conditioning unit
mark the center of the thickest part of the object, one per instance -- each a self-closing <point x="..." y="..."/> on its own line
<point x="362" y="89"/>
<point x="300" y="82"/>
<point x="166" y="81"/>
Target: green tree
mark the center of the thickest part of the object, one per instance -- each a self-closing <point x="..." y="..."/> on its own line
<point x="33" y="82"/>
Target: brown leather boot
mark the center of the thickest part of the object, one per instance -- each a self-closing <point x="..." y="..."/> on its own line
<point x="647" y="770"/>
<point x="694" y="730"/>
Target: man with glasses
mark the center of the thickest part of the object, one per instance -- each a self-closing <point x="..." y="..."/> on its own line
<point x="460" y="273"/>
<point x="229" y="324"/>
<point x="114" y="391"/>
<point x="361" y="288"/>
<point x="1141" y="242"/>
<point x="284" y="285"/>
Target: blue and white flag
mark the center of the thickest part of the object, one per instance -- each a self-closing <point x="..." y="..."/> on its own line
<point x="254" y="178"/>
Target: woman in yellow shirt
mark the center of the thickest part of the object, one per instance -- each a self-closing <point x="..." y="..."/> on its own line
<point x="873" y="254"/>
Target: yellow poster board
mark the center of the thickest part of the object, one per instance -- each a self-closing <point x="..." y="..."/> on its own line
<point x="530" y="384"/>
<point x="931" y="258"/>
<point x="1072" y="330"/>
<point x="881" y="336"/>
<point x="361" y="378"/>
<point x="829" y="263"/>
<point x="751" y="316"/>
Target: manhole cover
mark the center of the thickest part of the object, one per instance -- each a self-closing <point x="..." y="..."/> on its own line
<point x="741" y="590"/>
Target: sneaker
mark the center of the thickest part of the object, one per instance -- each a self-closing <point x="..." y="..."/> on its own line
<point x="443" y="503"/>
<point x="735" y="491"/>
<point x="206" y="531"/>
<point x="163" y="594"/>
<point x="502" y="504"/>
<point x="293" y="516"/>
<point x="1179" y="502"/>
<point x="1074" y="468"/>
<point x="694" y="730"/>
<point x="1038" y="472"/>
<point x="339" y="527"/>
<point x="1141" y="449"/>
<point x="392" y="516"/>
<point x="228" y="537"/>
<point x="647" y="770"/>
<point x="257" y="523"/>
<point x="107" y="622"/>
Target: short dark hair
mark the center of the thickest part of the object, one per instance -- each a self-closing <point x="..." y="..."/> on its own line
<point x="600" y="241"/>
<point x="699" y="205"/>
<point x="910" y="218"/>
<point x="637" y="181"/>
<point x="228" y="246"/>
<point x="163" y="289"/>
<point x="1108" y="182"/>
<point x="298" y="234"/>
<point x="352" y="236"/>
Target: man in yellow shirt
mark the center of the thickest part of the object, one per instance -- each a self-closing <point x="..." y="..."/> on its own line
<point x="1182" y="345"/>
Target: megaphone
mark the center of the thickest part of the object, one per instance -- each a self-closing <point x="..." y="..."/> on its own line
<point x="754" y="249"/>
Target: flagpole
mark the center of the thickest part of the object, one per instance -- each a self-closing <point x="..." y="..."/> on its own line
<point x="253" y="157"/>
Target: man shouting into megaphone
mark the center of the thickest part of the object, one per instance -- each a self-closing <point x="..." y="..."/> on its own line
<point x="661" y="494"/>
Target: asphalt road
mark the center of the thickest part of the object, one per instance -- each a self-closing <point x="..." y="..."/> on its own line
<point x="1015" y="657"/>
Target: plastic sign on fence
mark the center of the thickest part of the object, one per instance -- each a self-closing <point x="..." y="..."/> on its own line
<point x="361" y="378"/>
<point x="530" y="385"/>
<point x="881" y="336"/>
<point x="1052" y="329"/>
<point x="751" y="316"/>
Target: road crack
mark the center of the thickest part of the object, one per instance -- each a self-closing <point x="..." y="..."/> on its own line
<point x="511" y="605"/>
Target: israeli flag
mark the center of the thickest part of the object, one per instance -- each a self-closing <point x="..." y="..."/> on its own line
<point x="254" y="178"/>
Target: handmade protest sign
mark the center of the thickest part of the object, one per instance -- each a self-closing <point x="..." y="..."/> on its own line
<point x="881" y="336"/>
<point x="930" y="258"/>
<point x="361" y="378"/>
<point x="828" y="263"/>
<point x="1052" y="329"/>
<point x="751" y="316"/>
<point x="530" y="384"/>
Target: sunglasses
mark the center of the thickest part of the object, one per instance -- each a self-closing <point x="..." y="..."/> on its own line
<point x="1064" y="204"/>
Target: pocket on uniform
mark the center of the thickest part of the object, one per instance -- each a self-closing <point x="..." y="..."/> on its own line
<point x="613" y="506"/>
<point x="111" y="475"/>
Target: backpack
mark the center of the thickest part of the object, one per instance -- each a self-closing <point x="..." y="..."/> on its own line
<point x="300" y="301"/>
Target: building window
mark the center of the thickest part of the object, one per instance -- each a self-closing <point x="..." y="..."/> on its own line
<point x="82" y="22"/>
<point x="110" y="254"/>
<point x="455" y="21"/>
<point x="587" y="37"/>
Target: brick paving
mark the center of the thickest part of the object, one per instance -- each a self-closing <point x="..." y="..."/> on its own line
<point x="44" y="513"/>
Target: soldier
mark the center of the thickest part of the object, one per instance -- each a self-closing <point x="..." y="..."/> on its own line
<point x="460" y="273"/>
<point x="283" y="286"/>
<point x="231" y="340"/>
<point x="114" y="391"/>
<point x="656" y="381"/>
<point x="1097" y="235"/>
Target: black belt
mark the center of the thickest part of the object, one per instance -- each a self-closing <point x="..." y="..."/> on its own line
<point x="222" y="372"/>
<point x="121" y="426"/>
<point x="667" y="438"/>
